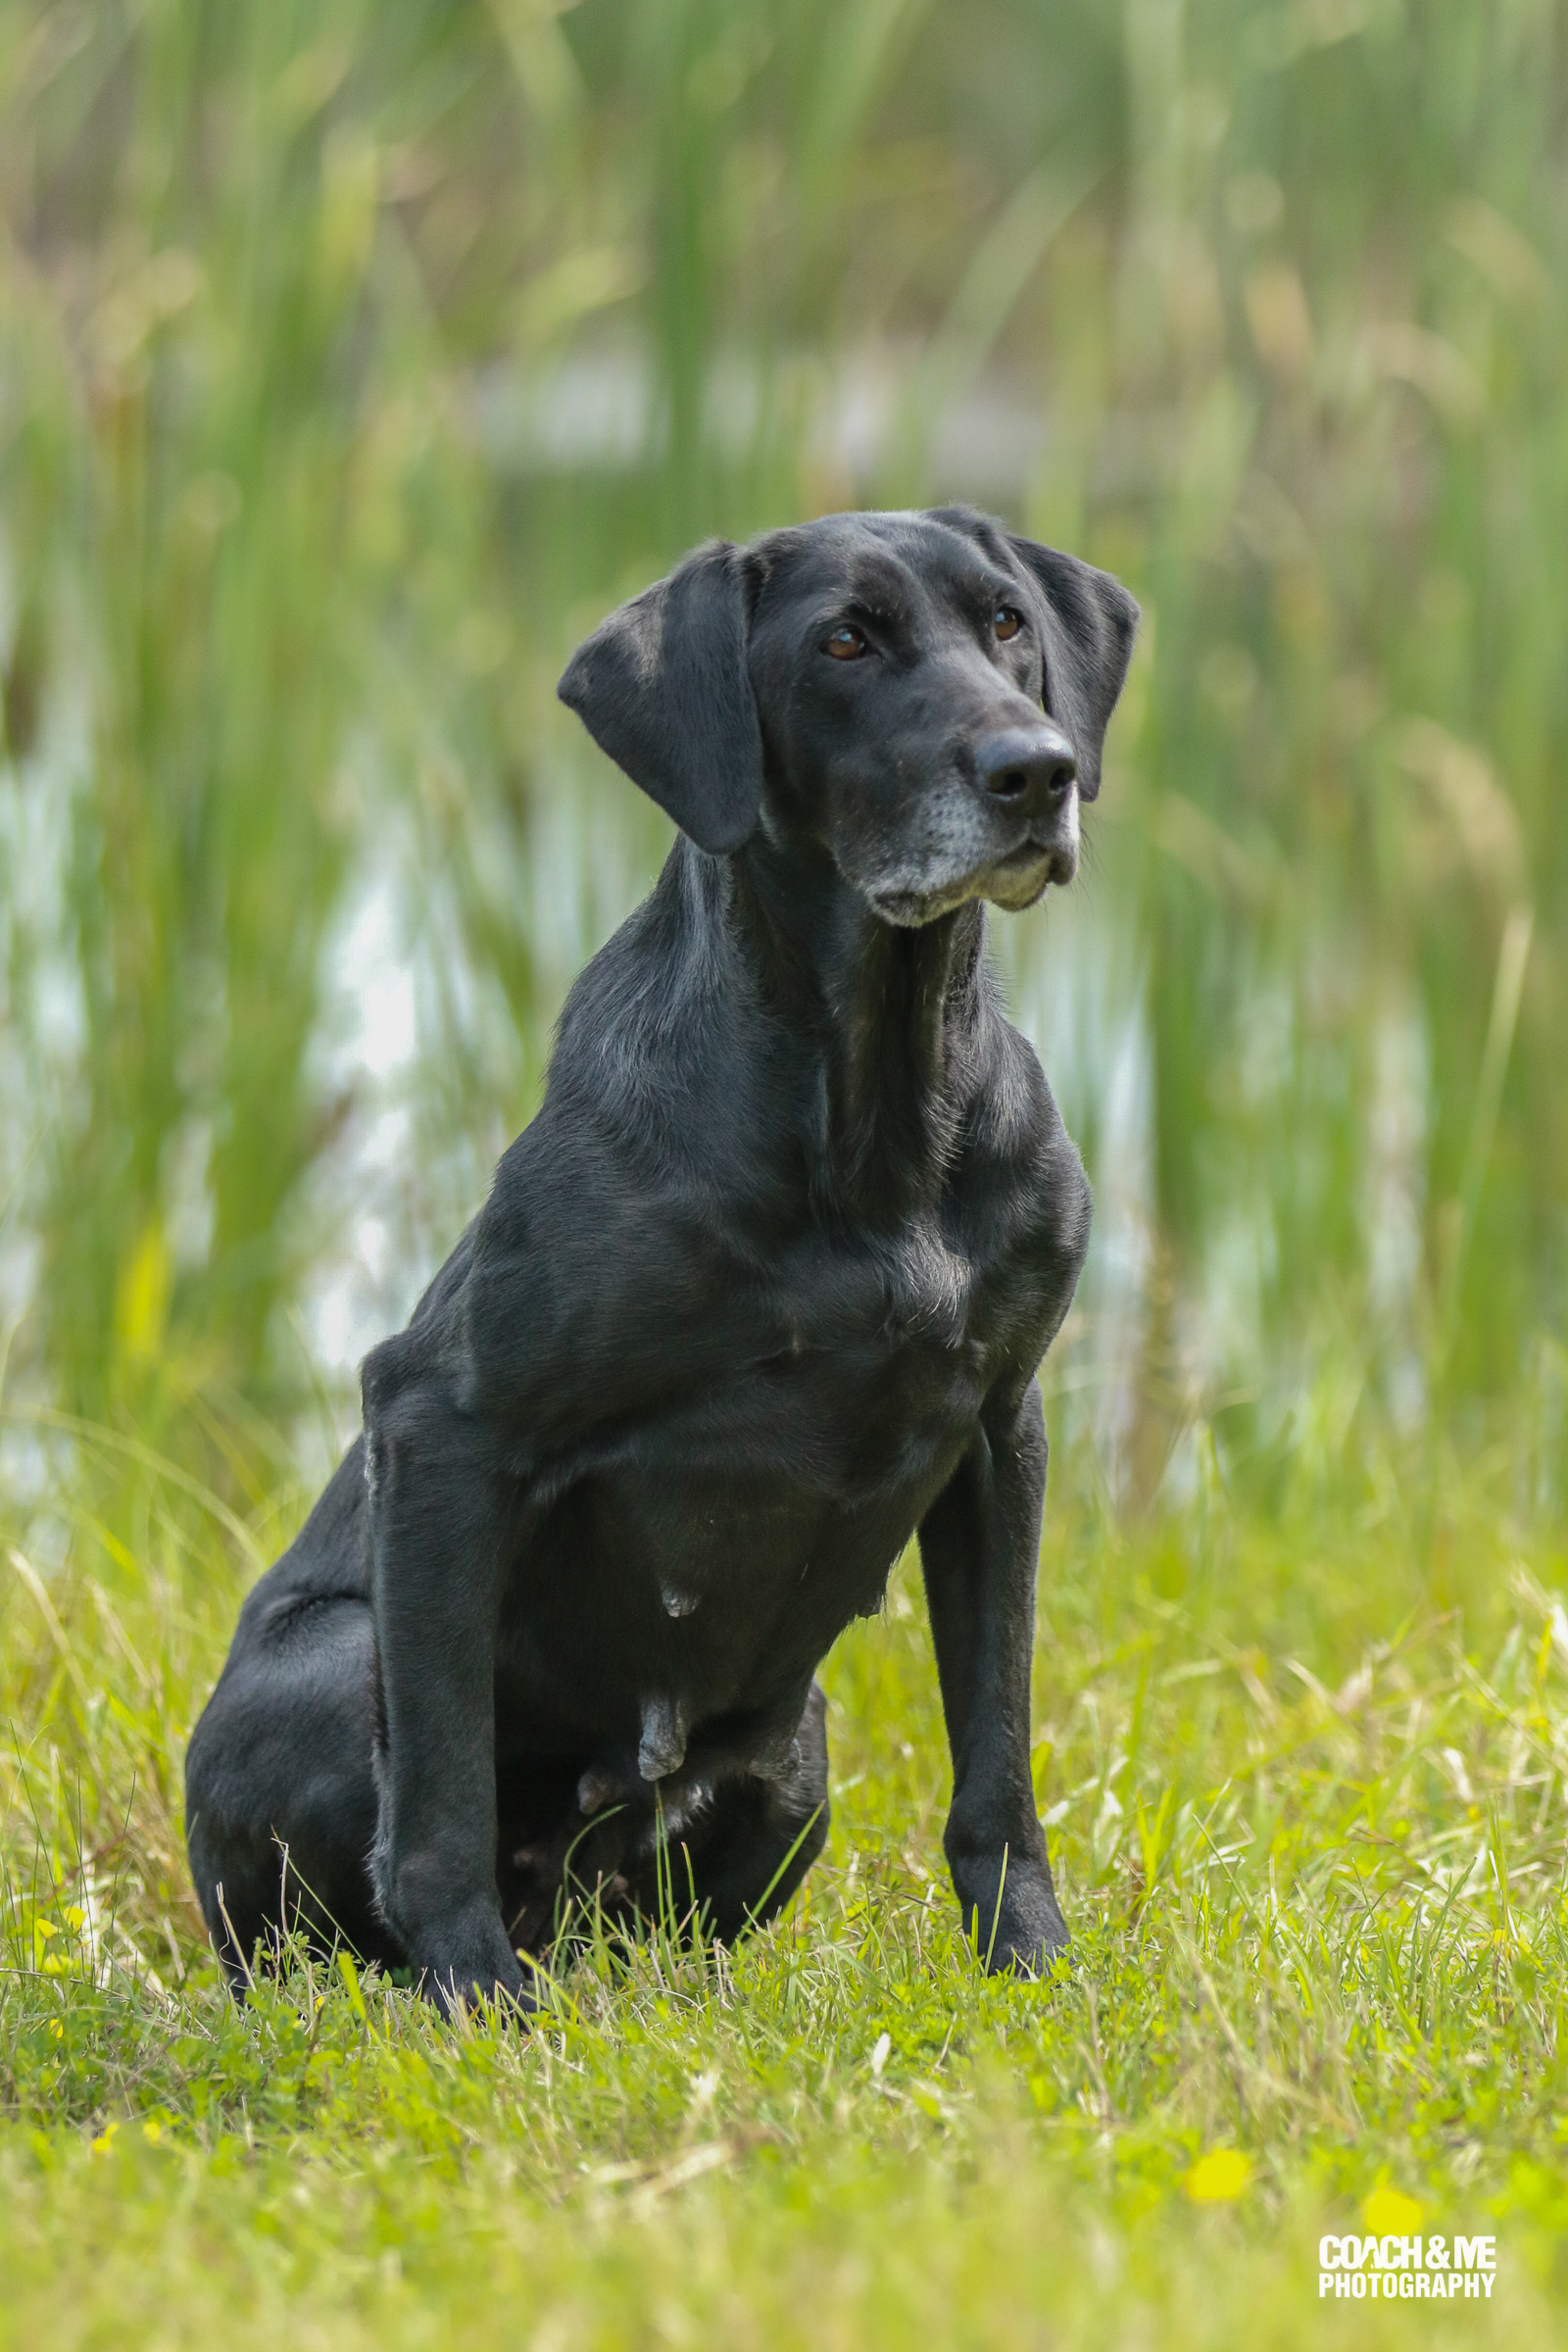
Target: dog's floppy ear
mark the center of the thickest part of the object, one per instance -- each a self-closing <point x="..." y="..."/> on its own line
<point x="663" y="687"/>
<point x="1092" y="622"/>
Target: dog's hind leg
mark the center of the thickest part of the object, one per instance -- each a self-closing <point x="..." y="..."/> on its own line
<point x="280" y="1795"/>
<point x="745" y="1853"/>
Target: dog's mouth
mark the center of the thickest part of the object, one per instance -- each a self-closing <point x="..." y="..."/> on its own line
<point x="1056" y="856"/>
<point x="1019" y="878"/>
<point x="1014" y="882"/>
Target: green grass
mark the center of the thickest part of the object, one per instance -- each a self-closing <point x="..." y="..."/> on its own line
<point x="1310" y="1822"/>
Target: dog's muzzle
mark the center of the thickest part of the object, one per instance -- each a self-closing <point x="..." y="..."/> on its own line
<point x="1030" y="774"/>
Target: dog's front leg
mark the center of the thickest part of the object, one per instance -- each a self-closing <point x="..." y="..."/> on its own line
<point x="979" y="1545"/>
<point x="437" y="1517"/>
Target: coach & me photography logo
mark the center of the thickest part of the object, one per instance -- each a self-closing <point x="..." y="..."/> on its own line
<point x="1392" y="2259"/>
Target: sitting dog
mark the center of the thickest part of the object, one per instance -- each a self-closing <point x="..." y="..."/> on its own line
<point x="759" y="1295"/>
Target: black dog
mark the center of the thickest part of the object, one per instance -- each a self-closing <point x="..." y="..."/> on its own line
<point x="759" y="1295"/>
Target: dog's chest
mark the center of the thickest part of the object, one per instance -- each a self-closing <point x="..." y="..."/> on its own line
<point x="929" y="1287"/>
<point x="829" y="1421"/>
<point x="729" y="1530"/>
<point x="880" y="1342"/>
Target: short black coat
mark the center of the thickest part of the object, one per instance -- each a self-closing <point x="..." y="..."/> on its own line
<point x="758" y="1296"/>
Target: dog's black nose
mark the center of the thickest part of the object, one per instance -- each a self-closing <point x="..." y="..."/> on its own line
<point x="1026" y="768"/>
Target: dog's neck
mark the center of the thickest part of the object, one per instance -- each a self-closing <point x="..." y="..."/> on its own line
<point x="887" y="1012"/>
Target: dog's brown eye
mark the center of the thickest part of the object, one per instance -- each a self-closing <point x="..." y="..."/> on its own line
<point x="846" y="644"/>
<point x="1007" y="622"/>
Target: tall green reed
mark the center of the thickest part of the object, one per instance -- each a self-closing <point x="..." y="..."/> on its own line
<point x="1282" y="286"/>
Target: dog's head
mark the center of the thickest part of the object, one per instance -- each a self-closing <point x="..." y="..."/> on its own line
<point x="925" y="696"/>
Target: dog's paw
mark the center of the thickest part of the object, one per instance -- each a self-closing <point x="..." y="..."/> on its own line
<point x="471" y="1963"/>
<point x="1010" y="1914"/>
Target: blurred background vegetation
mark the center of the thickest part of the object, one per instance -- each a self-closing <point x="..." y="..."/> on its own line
<point x="354" y="360"/>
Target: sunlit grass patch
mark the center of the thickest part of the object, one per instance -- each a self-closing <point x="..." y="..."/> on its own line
<point x="1310" y="1833"/>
